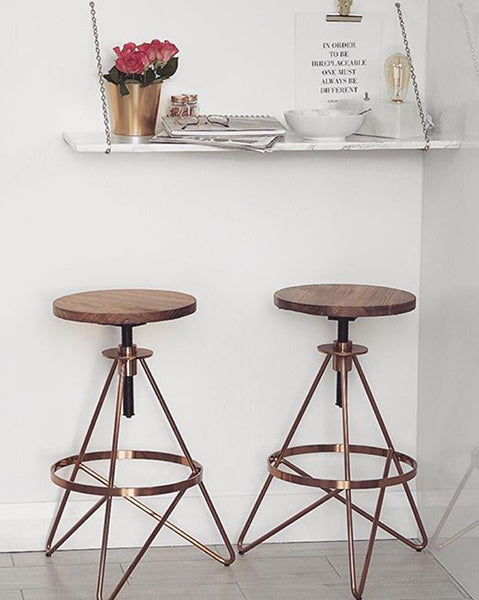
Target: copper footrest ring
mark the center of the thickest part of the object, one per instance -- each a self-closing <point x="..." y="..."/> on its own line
<point x="333" y="484"/>
<point x="194" y="478"/>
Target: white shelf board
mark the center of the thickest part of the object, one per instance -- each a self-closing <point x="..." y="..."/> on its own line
<point x="95" y="142"/>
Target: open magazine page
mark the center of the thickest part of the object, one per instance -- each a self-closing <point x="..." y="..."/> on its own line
<point x="255" y="143"/>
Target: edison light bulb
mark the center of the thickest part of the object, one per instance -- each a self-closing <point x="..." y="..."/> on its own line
<point x="398" y="77"/>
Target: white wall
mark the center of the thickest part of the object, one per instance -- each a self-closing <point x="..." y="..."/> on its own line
<point x="229" y="228"/>
<point x="448" y="407"/>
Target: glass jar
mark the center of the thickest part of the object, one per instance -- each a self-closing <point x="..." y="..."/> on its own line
<point x="179" y="106"/>
<point x="193" y="109"/>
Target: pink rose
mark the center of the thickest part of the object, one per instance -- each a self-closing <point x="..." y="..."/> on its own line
<point x="149" y="51"/>
<point x="133" y="59"/>
<point x="128" y="48"/>
<point x="132" y="62"/>
<point x="163" y="51"/>
<point x="130" y="59"/>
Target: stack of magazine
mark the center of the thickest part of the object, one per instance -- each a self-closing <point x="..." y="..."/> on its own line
<point x="244" y="132"/>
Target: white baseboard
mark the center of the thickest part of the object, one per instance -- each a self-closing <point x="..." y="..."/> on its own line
<point x="24" y="527"/>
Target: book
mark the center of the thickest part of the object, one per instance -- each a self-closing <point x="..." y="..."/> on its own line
<point x="227" y="126"/>
<point x="255" y="143"/>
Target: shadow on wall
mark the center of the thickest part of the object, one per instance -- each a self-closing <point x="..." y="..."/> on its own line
<point x="449" y="347"/>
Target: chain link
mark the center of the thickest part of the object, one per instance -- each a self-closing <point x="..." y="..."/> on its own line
<point x="415" y="83"/>
<point x="104" y="105"/>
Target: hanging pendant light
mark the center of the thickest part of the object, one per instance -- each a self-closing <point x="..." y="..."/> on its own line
<point x="398" y="77"/>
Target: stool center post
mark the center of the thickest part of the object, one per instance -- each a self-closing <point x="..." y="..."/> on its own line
<point x="342" y="344"/>
<point x="127" y="348"/>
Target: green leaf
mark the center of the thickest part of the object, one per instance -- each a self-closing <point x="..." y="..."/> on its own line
<point x="113" y="75"/>
<point x="123" y="89"/>
<point x="169" y="69"/>
<point x="150" y="77"/>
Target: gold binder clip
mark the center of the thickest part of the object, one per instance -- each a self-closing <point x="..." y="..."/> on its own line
<point x="344" y="15"/>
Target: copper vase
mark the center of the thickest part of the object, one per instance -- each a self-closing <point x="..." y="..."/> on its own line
<point x="136" y="113"/>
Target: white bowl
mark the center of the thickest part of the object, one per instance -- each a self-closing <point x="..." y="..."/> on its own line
<point x="331" y="122"/>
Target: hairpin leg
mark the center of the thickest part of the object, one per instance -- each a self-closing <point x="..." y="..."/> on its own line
<point x="347" y="476"/>
<point x="374" y="528"/>
<point x="108" y="489"/>
<point x="345" y="357"/>
<point x="231" y="554"/>
<point x="245" y="548"/>
<point x="111" y="483"/>
<point x="146" y="545"/>
<point x="61" y="509"/>
<point x="397" y="462"/>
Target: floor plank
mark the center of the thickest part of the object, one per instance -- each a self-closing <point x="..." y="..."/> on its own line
<point x="210" y="592"/>
<point x="421" y="567"/>
<point x="72" y="593"/>
<point x="298" y="549"/>
<point x="308" y="591"/>
<point x="5" y="560"/>
<point x="115" y="555"/>
<point x="196" y="573"/>
<point x="399" y="591"/>
<point x="180" y="592"/>
<point x="11" y="595"/>
<point x="301" y="571"/>
<point x="53" y="577"/>
<point x="291" y="571"/>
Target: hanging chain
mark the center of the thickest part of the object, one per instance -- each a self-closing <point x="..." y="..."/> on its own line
<point x="470" y="40"/>
<point x="104" y="105"/>
<point x="415" y="83"/>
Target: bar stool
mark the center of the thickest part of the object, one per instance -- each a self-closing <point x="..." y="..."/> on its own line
<point x="128" y="309"/>
<point x="344" y="304"/>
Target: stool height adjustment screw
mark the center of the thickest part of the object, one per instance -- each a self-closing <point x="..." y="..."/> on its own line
<point x="343" y="336"/>
<point x="128" y="394"/>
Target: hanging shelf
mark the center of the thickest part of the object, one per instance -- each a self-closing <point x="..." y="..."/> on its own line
<point x="95" y="142"/>
<point x="98" y="142"/>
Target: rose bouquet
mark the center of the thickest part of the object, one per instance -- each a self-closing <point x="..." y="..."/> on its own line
<point x="144" y="64"/>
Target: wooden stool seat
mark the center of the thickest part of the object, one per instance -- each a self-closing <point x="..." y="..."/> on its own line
<point x="340" y="301"/>
<point x="124" y="307"/>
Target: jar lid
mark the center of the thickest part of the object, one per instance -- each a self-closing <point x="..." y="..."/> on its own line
<point x="180" y="99"/>
<point x="192" y="97"/>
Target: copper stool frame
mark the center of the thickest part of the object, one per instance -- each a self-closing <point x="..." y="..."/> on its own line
<point x="344" y="356"/>
<point x="125" y="362"/>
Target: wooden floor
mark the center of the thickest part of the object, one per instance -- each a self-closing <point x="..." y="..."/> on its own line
<point x="271" y="572"/>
